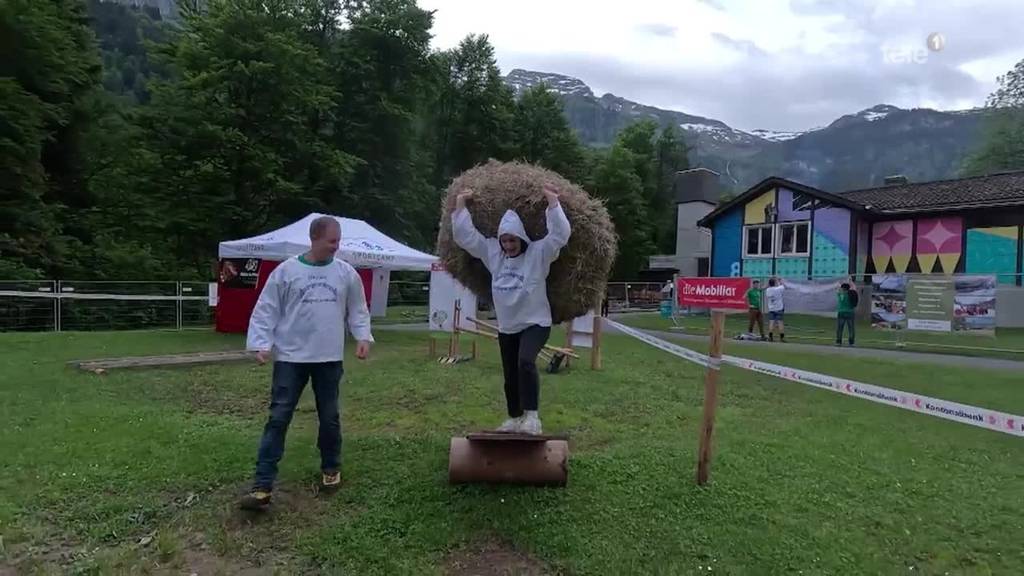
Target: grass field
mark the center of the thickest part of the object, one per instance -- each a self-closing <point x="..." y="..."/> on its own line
<point x="137" y="471"/>
<point x="1007" y="343"/>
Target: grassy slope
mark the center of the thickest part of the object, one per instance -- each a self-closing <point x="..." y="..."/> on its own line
<point x="802" y="480"/>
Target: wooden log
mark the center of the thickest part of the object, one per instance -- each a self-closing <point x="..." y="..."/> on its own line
<point x="509" y="460"/>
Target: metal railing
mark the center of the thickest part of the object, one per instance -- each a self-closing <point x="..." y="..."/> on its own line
<point x="58" y="305"/>
<point x="402" y="293"/>
<point x="53" y="305"/>
<point x="634" y="295"/>
<point x="64" y="305"/>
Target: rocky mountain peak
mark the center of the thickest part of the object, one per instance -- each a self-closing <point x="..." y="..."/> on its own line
<point x="521" y="80"/>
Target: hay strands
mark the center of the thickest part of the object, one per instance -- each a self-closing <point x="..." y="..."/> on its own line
<point x="494" y="328"/>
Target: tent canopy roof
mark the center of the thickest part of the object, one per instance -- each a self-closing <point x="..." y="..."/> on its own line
<point x="362" y="246"/>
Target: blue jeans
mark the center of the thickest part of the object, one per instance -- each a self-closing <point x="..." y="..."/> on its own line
<point x="845" y="319"/>
<point x="288" y="382"/>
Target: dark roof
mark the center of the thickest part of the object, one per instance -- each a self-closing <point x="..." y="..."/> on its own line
<point x="697" y="185"/>
<point x="1004" y="189"/>
<point x="775" y="182"/>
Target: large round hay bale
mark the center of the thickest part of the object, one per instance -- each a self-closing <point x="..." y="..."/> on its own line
<point x="577" y="279"/>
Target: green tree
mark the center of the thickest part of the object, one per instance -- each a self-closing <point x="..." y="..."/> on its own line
<point x="242" y="131"/>
<point x="617" y="183"/>
<point x="48" y="75"/>
<point x="122" y="33"/>
<point x="541" y="134"/>
<point x="639" y="138"/>
<point x="656" y="157"/>
<point x="671" y="158"/>
<point x="475" y="110"/>
<point x="1002" y="146"/>
<point x="383" y="77"/>
<point x="26" y="223"/>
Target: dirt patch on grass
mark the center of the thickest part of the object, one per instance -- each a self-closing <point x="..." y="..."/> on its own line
<point x="493" y="558"/>
<point x="198" y="533"/>
<point x="289" y="502"/>
<point x="42" y="557"/>
<point x="264" y="537"/>
<point x="203" y="561"/>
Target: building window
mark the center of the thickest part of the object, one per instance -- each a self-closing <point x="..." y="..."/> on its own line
<point x="794" y="239"/>
<point x="758" y="241"/>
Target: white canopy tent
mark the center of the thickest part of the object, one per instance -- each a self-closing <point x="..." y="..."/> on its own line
<point x="362" y="246"/>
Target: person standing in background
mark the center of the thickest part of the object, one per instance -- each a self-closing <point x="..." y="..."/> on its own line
<point x="754" y="306"/>
<point x="846" y="306"/>
<point x="776" y="308"/>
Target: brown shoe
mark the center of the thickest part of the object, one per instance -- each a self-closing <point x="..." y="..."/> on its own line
<point x="330" y="480"/>
<point x="255" y="500"/>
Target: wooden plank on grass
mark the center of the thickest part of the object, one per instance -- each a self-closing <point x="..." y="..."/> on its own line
<point x="168" y="360"/>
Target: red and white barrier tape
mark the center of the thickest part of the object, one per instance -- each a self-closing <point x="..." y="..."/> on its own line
<point x="965" y="414"/>
<point x="684" y="353"/>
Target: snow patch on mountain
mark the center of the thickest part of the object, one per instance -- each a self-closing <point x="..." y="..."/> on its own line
<point x="876" y="113"/>
<point x="776" y="136"/>
<point x="522" y="80"/>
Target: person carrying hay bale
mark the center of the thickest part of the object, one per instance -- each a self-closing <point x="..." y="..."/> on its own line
<point x="519" y="269"/>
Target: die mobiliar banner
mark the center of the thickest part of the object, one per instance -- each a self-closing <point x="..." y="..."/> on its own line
<point x="713" y="292"/>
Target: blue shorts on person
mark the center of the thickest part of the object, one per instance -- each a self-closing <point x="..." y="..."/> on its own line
<point x="776" y="316"/>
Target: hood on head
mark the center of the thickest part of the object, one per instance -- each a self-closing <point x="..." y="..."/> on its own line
<point x="511" y="224"/>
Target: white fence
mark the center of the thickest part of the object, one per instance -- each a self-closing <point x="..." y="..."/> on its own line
<point x="58" y="305"/>
<point x="55" y="305"/>
<point x="634" y="295"/>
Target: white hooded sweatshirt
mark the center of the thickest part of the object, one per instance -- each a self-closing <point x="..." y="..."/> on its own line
<point x="518" y="285"/>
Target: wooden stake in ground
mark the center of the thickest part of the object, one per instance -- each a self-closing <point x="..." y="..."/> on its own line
<point x="453" y="342"/>
<point x="707" y="427"/>
<point x="595" y="344"/>
<point x="568" y="340"/>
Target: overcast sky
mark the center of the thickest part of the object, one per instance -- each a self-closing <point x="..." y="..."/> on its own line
<point x="775" y="64"/>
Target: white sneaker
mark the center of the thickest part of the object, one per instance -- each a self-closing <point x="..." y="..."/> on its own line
<point x="510" y="425"/>
<point x="531" y="425"/>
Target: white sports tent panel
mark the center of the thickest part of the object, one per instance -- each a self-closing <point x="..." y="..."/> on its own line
<point x="362" y="246"/>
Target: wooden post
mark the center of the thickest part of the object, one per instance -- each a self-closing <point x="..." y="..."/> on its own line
<point x="568" y="340"/>
<point x="595" y="344"/>
<point x="453" y="342"/>
<point x="710" y="396"/>
<point x="433" y="347"/>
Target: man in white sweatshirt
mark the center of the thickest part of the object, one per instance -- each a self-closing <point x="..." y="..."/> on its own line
<point x="300" y="319"/>
<point x="519" y="269"/>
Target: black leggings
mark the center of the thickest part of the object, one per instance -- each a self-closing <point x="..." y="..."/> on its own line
<point x="519" y="362"/>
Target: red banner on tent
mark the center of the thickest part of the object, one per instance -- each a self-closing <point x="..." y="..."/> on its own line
<point x="713" y="292"/>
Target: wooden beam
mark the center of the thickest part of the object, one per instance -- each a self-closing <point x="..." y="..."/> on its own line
<point x="565" y="351"/>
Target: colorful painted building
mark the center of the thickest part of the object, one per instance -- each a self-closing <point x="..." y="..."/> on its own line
<point x="784" y="228"/>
